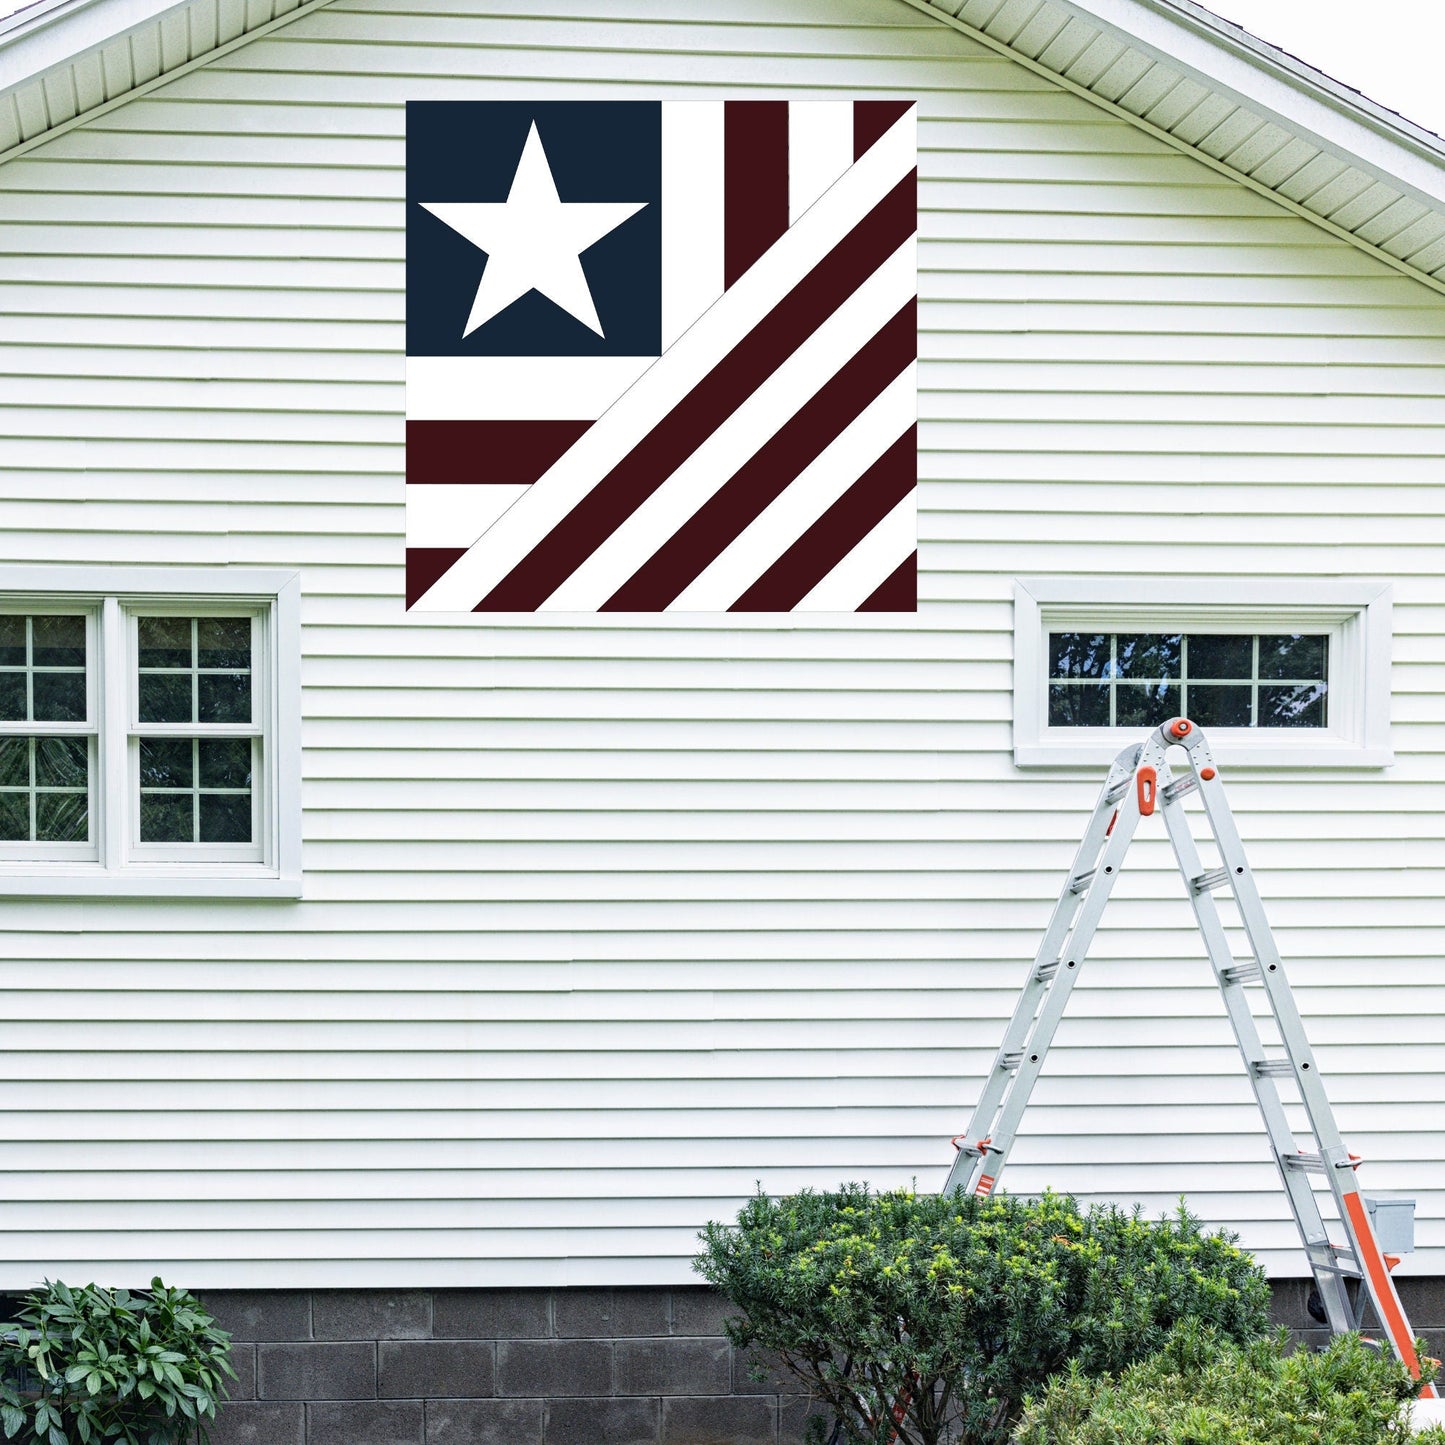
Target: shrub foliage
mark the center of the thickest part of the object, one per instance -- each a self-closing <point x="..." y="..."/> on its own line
<point x="90" y="1365"/>
<point x="931" y="1317"/>
<point x="1203" y="1390"/>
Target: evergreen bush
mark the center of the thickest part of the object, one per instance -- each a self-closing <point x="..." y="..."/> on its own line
<point x="1201" y="1389"/>
<point x="932" y="1316"/>
<point x="89" y="1365"/>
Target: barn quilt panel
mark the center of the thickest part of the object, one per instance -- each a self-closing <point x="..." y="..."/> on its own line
<point x="661" y="356"/>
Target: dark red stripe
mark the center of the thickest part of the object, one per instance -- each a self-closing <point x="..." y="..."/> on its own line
<point x="677" y="435"/>
<point x="898" y="593"/>
<point x="771" y="469"/>
<point x="872" y="119"/>
<point x="486" y="451"/>
<point x="755" y="181"/>
<point x="835" y="534"/>
<point x="424" y="565"/>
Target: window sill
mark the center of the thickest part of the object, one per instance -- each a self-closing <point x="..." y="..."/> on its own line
<point x="1097" y="747"/>
<point x="19" y="880"/>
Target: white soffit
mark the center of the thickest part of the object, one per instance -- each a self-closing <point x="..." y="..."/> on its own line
<point x="1251" y="109"/>
<point x="62" y="60"/>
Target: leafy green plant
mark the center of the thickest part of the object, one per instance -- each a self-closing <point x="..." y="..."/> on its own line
<point x="931" y="1317"/>
<point x="1201" y="1389"/>
<point x="92" y="1365"/>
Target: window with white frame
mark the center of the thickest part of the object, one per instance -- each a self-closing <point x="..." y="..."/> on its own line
<point x="1283" y="673"/>
<point x="149" y="732"/>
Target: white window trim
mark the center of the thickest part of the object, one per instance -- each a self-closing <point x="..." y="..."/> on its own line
<point x="1355" y="613"/>
<point x="115" y="873"/>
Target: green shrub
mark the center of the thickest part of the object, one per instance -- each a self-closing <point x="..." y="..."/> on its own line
<point x="1203" y="1390"/>
<point x="953" y="1308"/>
<point x="91" y="1364"/>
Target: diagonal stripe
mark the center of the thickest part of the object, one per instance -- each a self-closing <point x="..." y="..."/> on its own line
<point x="506" y="452"/>
<point x="818" y="486"/>
<point x="424" y="565"/>
<point x="851" y="518"/>
<point x="703" y="410"/>
<point x="873" y="118"/>
<point x="777" y="463"/>
<point x="898" y="593"/>
<point x="712" y="465"/>
<point x="665" y="385"/>
<point x="870" y="564"/>
<point x="755" y="181"/>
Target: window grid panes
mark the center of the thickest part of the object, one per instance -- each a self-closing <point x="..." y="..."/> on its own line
<point x="45" y="751"/>
<point x="196" y="672"/>
<point x="1230" y="680"/>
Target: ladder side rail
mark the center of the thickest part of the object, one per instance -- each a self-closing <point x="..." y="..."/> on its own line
<point x="1338" y="1166"/>
<point x="1303" y="1204"/>
<point x="982" y="1172"/>
<point x="1056" y="935"/>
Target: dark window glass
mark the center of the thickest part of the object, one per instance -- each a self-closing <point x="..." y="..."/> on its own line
<point x="59" y="641"/>
<point x="62" y="762"/>
<point x="1148" y="655"/>
<point x="225" y="817"/>
<point x="225" y="763"/>
<point x="224" y="642"/>
<point x="14" y="817"/>
<point x="1145" y="705"/>
<point x="1296" y="656"/>
<point x="1301" y="706"/>
<point x="62" y="817"/>
<point x="166" y="697"/>
<point x="1217" y="655"/>
<point x="224" y="697"/>
<point x="1079" y="705"/>
<point x="166" y="763"/>
<point x="12" y="640"/>
<point x="12" y="697"/>
<point x="1078" y="654"/>
<point x="164" y="642"/>
<point x="59" y="696"/>
<point x="167" y="818"/>
<point x="14" y="762"/>
<point x="1218" y="706"/>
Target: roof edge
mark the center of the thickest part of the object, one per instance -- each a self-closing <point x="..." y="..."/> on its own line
<point x="41" y="37"/>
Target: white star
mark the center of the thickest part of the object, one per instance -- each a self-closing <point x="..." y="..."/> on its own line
<point x="534" y="241"/>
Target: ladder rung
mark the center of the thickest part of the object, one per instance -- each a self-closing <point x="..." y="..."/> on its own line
<point x="1081" y="881"/>
<point x="1118" y="790"/>
<point x="1304" y="1163"/>
<point x="1272" y="1068"/>
<point x="1011" y="1060"/>
<point x="1242" y="973"/>
<point x="1177" y="789"/>
<point x="1047" y="970"/>
<point x="1208" y="882"/>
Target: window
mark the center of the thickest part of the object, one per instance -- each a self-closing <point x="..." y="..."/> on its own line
<point x="1219" y="679"/>
<point x="1280" y="673"/>
<point x="149" y="732"/>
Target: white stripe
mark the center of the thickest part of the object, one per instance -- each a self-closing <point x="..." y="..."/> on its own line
<point x="692" y="212"/>
<point x="820" y="149"/>
<point x="456" y="514"/>
<point x="870" y="564"/>
<point x="856" y="322"/>
<point x="659" y="389"/>
<point x="789" y="515"/>
<point x="517" y="388"/>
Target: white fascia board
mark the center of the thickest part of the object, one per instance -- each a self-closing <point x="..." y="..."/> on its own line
<point x="1222" y="57"/>
<point x="40" y="38"/>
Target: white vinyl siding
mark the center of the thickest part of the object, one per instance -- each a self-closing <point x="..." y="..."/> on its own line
<point x="606" y="921"/>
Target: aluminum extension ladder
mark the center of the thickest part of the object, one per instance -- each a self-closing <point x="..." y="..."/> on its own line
<point x="1139" y="782"/>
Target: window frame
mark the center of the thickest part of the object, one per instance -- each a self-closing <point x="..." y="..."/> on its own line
<point x="1356" y="615"/>
<point x="118" y="865"/>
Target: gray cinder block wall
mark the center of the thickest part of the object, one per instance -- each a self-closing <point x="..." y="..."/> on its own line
<point x="493" y="1367"/>
<point x="540" y="1367"/>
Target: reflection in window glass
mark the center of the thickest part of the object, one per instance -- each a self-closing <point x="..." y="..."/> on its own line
<point x="1221" y="680"/>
